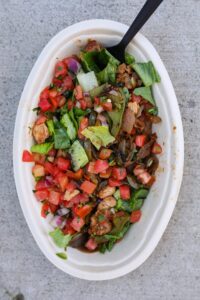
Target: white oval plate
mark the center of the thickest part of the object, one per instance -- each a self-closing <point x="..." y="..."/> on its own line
<point x="143" y="237"/>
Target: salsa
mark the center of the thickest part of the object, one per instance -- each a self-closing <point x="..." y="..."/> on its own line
<point x="95" y="152"/>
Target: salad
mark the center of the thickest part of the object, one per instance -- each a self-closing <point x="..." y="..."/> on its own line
<point x="94" y="151"/>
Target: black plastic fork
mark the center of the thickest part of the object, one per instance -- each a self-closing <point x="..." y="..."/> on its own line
<point x="147" y="10"/>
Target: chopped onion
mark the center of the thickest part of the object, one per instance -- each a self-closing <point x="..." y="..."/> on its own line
<point x="98" y="108"/>
<point x="57" y="221"/>
<point x="48" y="181"/>
<point x="73" y="65"/>
<point x="78" y="105"/>
<point x="86" y="94"/>
<point x="113" y="92"/>
<point x="102" y="119"/>
<point x="63" y="211"/>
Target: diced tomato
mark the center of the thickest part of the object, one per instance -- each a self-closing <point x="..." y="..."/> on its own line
<point x="107" y="106"/>
<point x="75" y="175"/>
<point x="38" y="171"/>
<point x="53" y="93"/>
<point x="49" y="168"/>
<point x="60" y="69"/>
<point x="88" y="187"/>
<point x="145" y="178"/>
<point x="71" y="186"/>
<point x="57" y="82"/>
<point x="27" y="156"/>
<point x="52" y="152"/>
<point x="80" y="198"/>
<point x="68" y="229"/>
<point x="77" y="223"/>
<point x="156" y="149"/>
<point x="140" y="140"/>
<point x="135" y="98"/>
<point x="70" y="104"/>
<point x="44" y="94"/>
<point x="133" y="132"/>
<point x="45" y="209"/>
<point x="39" y="158"/>
<point x="44" y="105"/>
<point x="106" y="173"/>
<point x="100" y="166"/>
<point x="83" y="211"/>
<point x="53" y="207"/>
<point x="54" y="101"/>
<point x="119" y="173"/>
<point x="78" y="92"/>
<point x="125" y="192"/>
<point x="83" y="124"/>
<point x="90" y="167"/>
<point x="91" y="244"/>
<point x="54" y="197"/>
<point x="62" y="180"/>
<point x="67" y="84"/>
<point x="42" y="195"/>
<point x="97" y="100"/>
<point x="114" y="182"/>
<point x="138" y="170"/>
<point x="40" y="120"/>
<point x="135" y="216"/>
<point x="105" y="153"/>
<point x="83" y="104"/>
<point x="63" y="164"/>
<point x="41" y="185"/>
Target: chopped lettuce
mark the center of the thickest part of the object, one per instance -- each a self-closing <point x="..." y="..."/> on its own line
<point x="147" y="73"/>
<point x="50" y="127"/>
<point x="102" y="63"/>
<point x="59" y="238"/>
<point x="108" y="74"/>
<point x="61" y="138"/>
<point x="73" y="118"/>
<point x="146" y="93"/>
<point x="88" y="81"/>
<point x="42" y="148"/>
<point x="88" y="60"/>
<point x="78" y="155"/>
<point x="98" y="91"/>
<point x="98" y="135"/>
<point x="62" y="255"/>
<point x="129" y="59"/>
<point x="135" y="203"/>
<point x="116" y="114"/>
<point x="68" y="124"/>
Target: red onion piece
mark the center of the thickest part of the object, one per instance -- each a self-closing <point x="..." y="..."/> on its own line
<point x="98" y="108"/>
<point x="102" y="119"/>
<point x="73" y="65"/>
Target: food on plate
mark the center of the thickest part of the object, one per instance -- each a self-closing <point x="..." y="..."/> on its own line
<point x="95" y="152"/>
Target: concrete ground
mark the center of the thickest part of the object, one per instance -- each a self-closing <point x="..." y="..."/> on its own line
<point x="173" y="270"/>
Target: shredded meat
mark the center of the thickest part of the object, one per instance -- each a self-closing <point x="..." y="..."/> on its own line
<point x="40" y="133"/>
<point x="92" y="46"/>
<point x="100" y="224"/>
<point x="128" y="120"/>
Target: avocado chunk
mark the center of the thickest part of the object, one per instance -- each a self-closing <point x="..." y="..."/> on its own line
<point x="78" y="155"/>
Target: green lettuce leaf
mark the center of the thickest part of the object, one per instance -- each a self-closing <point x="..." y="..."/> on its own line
<point x="146" y="93"/>
<point x="78" y="155"/>
<point x="88" y="81"/>
<point x="62" y="255"/>
<point x="61" y="138"/>
<point x="147" y="73"/>
<point x="88" y="60"/>
<point x="108" y="74"/>
<point x="59" y="238"/>
<point x="69" y="125"/>
<point x="129" y="59"/>
<point x="50" y="126"/>
<point x="98" y="135"/>
<point x="42" y="148"/>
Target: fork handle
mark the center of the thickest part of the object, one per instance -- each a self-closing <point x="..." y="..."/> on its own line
<point x="147" y="10"/>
